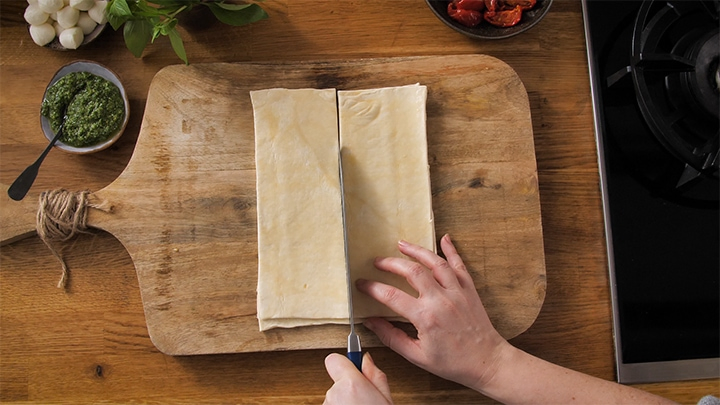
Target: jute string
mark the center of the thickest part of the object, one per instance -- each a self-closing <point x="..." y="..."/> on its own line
<point x="61" y="215"/>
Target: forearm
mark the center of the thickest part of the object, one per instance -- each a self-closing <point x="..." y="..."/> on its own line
<point x="524" y="379"/>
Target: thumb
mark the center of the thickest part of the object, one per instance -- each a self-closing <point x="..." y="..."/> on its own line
<point x="339" y="367"/>
<point x="376" y="376"/>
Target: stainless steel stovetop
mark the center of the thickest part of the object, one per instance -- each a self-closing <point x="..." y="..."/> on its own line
<point x="655" y="80"/>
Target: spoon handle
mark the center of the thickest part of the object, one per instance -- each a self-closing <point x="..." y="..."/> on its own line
<point x="20" y="187"/>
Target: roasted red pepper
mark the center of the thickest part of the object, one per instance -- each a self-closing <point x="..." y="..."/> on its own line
<point x="468" y="18"/>
<point x="505" y="18"/>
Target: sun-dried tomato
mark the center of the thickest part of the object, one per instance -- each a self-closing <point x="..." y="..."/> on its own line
<point x="468" y="18"/>
<point x="524" y="4"/>
<point x="505" y="18"/>
<point x="491" y="6"/>
<point x="477" y="5"/>
<point x="501" y="13"/>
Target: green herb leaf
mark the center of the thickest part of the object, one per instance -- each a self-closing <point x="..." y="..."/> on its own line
<point x="230" y="6"/>
<point x="117" y="12"/>
<point x="145" y="20"/>
<point x="163" y="27"/>
<point x="177" y="45"/>
<point x="237" y="14"/>
<point x="156" y="32"/>
<point x="137" y="35"/>
<point x="175" y="3"/>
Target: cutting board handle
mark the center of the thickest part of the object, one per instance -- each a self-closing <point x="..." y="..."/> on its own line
<point x="17" y="218"/>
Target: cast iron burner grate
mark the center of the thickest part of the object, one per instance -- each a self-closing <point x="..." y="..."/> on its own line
<point x="674" y="67"/>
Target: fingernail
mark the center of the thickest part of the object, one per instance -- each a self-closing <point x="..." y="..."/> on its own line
<point x="403" y="243"/>
<point x="369" y="323"/>
<point x="361" y="282"/>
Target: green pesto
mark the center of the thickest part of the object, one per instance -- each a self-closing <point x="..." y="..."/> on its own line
<point x="95" y="108"/>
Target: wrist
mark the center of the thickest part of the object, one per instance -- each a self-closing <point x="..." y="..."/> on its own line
<point x="487" y="373"/>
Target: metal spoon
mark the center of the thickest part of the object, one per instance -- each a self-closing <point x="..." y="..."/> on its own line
<point x="20" y="187"/>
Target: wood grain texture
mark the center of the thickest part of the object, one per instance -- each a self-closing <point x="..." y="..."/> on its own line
<point x="91" y="345"/>
<point x="184" y="207"/>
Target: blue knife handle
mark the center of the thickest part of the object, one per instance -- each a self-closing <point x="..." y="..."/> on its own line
<point x="356" y="358"/>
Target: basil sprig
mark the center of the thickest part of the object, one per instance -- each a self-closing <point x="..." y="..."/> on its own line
<point x="145" y="21"/>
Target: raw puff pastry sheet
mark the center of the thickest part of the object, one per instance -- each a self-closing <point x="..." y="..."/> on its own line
<point x="301" y="274"/>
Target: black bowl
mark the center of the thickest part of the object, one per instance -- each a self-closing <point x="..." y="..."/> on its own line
<point x="486" y="30"/>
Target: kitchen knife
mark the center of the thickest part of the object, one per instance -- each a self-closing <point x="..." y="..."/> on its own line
<point x="354" y="351"/>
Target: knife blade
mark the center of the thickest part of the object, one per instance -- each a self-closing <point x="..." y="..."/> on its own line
<point x="354" y="351"/>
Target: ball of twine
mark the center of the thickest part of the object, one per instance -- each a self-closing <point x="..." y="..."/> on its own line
<point x="61" y="215"/>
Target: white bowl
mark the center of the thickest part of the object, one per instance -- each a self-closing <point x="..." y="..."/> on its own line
<point x="99" y="70"/>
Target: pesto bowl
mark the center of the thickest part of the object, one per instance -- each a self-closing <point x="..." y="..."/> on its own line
<point x="98" y="70"/>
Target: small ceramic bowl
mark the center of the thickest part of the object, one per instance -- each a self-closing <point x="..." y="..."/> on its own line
<point x="99" y="70"/>
<point x="486" y="30"/>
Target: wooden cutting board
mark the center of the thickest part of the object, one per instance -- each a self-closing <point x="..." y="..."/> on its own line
<point x="184" y="208"/>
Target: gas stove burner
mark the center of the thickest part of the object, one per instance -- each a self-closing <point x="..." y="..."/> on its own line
<point x="674" y="65"/>
<point x="675" y="57"/>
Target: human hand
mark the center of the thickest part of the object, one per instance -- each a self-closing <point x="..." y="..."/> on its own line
<point x="455" y="338"/>
<point x="352" y="387"/>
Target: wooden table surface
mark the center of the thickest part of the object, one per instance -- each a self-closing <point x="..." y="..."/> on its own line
<point x="90" y="344"/>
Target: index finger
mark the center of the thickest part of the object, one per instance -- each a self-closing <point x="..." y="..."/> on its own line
<point x="441" y="270"/>
<point x="418" y="276"/>
<point x="456" y="263"/>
